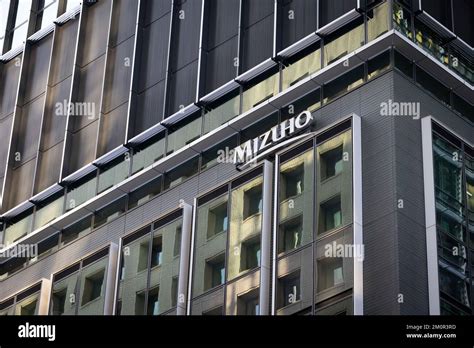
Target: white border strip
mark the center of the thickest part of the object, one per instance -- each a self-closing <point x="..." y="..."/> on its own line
<point x="430" y="216"/>
<point x="358" y="287"/>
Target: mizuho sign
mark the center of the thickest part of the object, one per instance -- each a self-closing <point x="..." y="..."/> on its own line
<point x="269" y="141"/>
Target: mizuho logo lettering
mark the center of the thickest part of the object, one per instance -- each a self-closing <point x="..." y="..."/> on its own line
<point x="251" y="148"/>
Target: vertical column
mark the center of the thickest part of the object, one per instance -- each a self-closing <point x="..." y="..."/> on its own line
<point x="266" y="250"/>
<point x="184" y="274"/>
<point x="44" y="297"/>
<point x="358" y="292"/>
<point x="200" y="60"/>
<point x="430" y="216"/>
<point x="72" y="94"/>
<point x="104" y="76"/>
<point x="46" y="96"/>
<point x="111" y="279"/>
<point x="135" y="70"/>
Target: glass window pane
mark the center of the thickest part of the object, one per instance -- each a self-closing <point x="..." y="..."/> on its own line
<point x="80" y="193"/>
<point x="145" y="193"/>
<point x="334" y="182"/>
<point x="148" y="155"/>
<point x="184" y="171"/>
<point x="18" y="229"/>
<point x="260" y="92"/>
<point x="402" y="20"/>
<point x="23" y="12"/>
<point x="378" y="21"/>
<point x="300" y="69"/>
<point x="245" y="227"/>
<point x="166" y="245"/>
<point x="110" y="212"/>
<point x="93" y="283"/>
<point x="4" y="8"/>
<point x="63" y="298"/>
<point x="343" y="44"/>
<point x="114" y="174"/>
<point x="48" y="212"/>
<point x="217" y="116"/>
<point x="210" y="245"/>
<point x="343" y="84"/>
<point x="28" y="306"/>
<point x="330" y="273"/>
<point x="289" y="289"/>
<point x="183" y="136"/>
<point x="296" y="202"/>
<point x="379" y="64"/>
<point x="76" y="230"/>
<point x="49" y="14"/>
<point x="72" y="4"/>
<point x="134" y="276"/>
<point x="19" y="35"/>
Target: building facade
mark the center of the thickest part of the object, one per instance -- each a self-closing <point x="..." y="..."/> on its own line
<point x="236" y="157"/>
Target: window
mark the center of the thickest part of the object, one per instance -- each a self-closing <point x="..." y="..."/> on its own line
<point x="81" y="192"/>
<point x="144" y="193"/>
<point x="18" y="227"/>
<point x="331" y="163"/>
<point x="148" y="154"/>
<point x="292" y="181"/>
<point x="150" y="268"/>
<point x="157" y="251"/>
<point x="59" y="300"/>
<point x="378" y="21"/>
<point x="110" y="212"/>
<point x="4" y="8"/>
<point x="300" y="69"/>
<point x="72" y="3"/>
<point x="331" y="215"/>
<point x="329" y="273"/>
<point x="47" y="11"/>
<point x="28" y="306"/>
<point x="219" y="153"/>
<point x="289" y="289"/>
<point x="179" y="174"/>
<point x="253" y="203"/>
<point x="378" y="64"/>
<point x="214" y="311"/>
<point x="432" y="84"/>
<point x="343" y="42"/>
<point x="215" y="272"/>
<point x="343" y="84"/>
<point x="93" y="287"/>
<point x="217" y="220"/>
<point x="76" y="230"/>
<point x="245" y="228"/>
<point x="210" y="243"/>
<point x="250" y="254"/>
<point x="177" y="241"/>
<point x="48" y="211"/>
<point x="222" y="113"/>
<point x="260" y="92"/>
<point x="248" y="304"/>
<point x="291" y="233"/>
<point x="114" y="173"/>
<point x="403" y="64"/>
<point x="153" y="306"/>
<point x="402" y="20"/>
<point x="17" y="29"/>
<point x="185" y="132"/>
